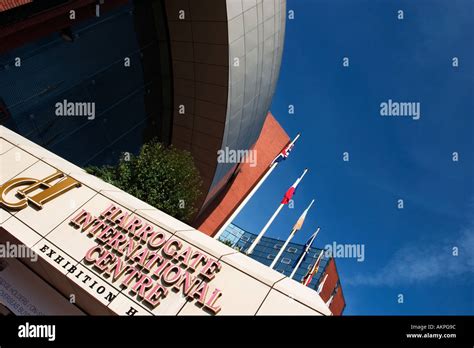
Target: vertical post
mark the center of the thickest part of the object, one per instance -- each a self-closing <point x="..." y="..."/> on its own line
<point x="245" y="201"/>
<point x="304" y="254"/>
<point x="272" y="166"/>
<point x="265" y="228"/>
<point x="310" y="275"/>
<point x="283" y="248"/>
<point x="288" y="194"/>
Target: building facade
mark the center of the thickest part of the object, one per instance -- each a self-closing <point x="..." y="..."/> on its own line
<point x="73" y="244"/>
<point x="267" y="249"/>
<point x="269" y="144"/>
<point x="199" y="75"/>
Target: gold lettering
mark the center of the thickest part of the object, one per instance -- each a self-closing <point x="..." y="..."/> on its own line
<point x="49" y="192"/>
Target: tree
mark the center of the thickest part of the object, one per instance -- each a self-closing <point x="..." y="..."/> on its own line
<point x="227" y="242"/>
<point x="164" y="177"/>
<point x="230" y="244"/>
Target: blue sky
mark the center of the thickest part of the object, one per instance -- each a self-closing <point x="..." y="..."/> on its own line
<point x="407" y="251"/>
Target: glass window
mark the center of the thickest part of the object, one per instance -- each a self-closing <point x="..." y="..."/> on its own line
<point x="286" y="260"/>
<point x="270" y="257"/>
<point x="292" y="250"/>
<point x="277" y="246"/>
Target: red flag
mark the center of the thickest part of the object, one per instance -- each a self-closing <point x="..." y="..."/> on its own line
<point x="291" y="191"/>
<point x="288" y="195"/>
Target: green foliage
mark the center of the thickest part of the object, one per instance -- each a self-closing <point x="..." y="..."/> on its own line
<point x="230" y="244"/>
<point x="227" y="242"/>
<point x="165" y="178"/>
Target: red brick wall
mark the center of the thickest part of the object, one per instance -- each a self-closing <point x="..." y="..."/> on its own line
<point x="8" y="4"/>
<point x="270" y="142"/>
<point x="338" y="303"/>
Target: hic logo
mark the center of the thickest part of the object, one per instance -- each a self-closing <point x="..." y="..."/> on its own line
<point x="62" y="184"/>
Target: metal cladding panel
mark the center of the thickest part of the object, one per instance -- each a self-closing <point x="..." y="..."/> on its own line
<point x="256" y="31"/>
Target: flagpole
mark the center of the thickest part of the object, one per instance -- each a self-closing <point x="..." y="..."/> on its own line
<point x="321" y="286"/>
<point x="245" y="201"/>
<point x="241" y="206"/>
<point x="265" y="228"/>
<point x="269" y="222"/>
<point x="300" y="178"/>
<point x="306" y="282"/>
<point x="289" y="146"/>
<point x="304" y="254"/>
<point x="283" y="248"/>
<point x="292" y="234"/>
<point x="328" y="303"/>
